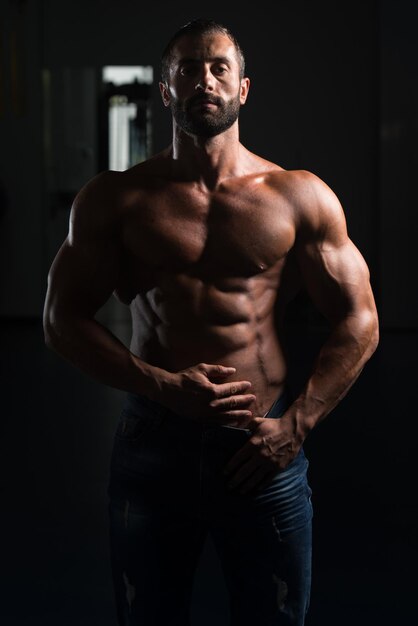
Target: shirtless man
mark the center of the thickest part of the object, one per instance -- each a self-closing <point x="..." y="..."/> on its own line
<point x="208" y="243"/>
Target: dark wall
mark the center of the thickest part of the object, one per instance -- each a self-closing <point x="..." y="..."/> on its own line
<point x="22" y="217"/>
<point x="398" y="165"/>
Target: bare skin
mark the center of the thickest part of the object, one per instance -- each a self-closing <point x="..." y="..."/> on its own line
<point x="208" y="243"/>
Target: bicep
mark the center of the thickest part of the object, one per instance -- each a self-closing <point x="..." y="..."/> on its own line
<point x="84" y="273"/>
<point x="336" y="277"/>
<point x="82" y="278"/>
<point x="333" y="270"/>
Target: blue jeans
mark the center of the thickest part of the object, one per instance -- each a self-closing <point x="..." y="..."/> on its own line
<point x="167" y="492"/>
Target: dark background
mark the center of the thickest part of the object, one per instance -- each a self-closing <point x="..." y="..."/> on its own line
<point x="334" y="91"/>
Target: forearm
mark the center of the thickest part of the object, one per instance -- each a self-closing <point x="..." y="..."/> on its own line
<point x="337" y="366"/>
<point x="198" y="392"/>
<point x="90" y="346"/>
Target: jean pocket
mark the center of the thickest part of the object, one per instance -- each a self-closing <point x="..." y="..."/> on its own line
<point x="132" y="428"/>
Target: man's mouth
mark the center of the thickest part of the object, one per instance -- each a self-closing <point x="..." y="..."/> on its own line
<point x="205" y="102"/>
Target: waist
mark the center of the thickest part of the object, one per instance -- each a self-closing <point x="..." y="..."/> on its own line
<point x="137" y="404"/>
<point x="151" y="416"/>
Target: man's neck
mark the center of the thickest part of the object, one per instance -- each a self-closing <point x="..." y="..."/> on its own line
<point x="208" y="161"/>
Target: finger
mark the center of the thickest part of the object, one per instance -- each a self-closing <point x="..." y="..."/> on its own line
<point x="225" y="390"/>
<point x="233" y="418"/>
<point x="234" y="402"/>
<point x="217" y="371"/>
<point x="229" y="418"/>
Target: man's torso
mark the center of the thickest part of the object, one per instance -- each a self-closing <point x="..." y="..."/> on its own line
<point x="208" y="274"/>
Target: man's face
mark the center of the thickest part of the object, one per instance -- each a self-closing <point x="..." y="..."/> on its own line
<point x="204" y="90"/>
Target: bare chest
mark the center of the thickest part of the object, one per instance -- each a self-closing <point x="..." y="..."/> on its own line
<point x="237" y="234"/>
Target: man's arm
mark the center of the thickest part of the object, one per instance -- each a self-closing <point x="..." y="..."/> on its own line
<point x="337" y="279"/>
<point x="82" y="278"/>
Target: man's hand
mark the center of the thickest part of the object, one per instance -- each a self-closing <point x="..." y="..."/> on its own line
<point x="272" y="446"/>
<point x="200" y="393"/>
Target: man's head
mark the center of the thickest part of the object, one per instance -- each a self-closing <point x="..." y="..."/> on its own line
<point x="195" y="28"/>
<point x="202" y="70"/>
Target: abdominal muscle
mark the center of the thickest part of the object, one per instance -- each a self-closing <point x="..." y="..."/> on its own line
<point x="217" y="327"/>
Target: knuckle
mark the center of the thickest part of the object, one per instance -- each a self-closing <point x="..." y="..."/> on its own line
<point x="187" y="379"/>
<point x="212" y="391"/>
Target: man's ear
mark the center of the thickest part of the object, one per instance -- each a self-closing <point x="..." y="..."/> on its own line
<point x="165" y="93"/>
<point x="245" y="86"/>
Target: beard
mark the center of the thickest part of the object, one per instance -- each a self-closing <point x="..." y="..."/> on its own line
<point x="194" y="121"/>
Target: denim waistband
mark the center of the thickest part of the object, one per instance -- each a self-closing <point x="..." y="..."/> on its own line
<point x="280" y="405"/>
<point x="136" y="402"/>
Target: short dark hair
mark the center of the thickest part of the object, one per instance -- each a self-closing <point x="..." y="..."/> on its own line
<point x="199" y="26"/>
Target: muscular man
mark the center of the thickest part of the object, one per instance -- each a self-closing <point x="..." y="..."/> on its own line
<point x="208" y="243"/>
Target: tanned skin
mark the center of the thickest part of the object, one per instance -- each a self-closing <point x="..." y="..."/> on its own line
<point x="208" y="243"/>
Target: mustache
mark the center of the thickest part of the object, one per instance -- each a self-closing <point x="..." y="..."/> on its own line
<point x="202" y="97"/>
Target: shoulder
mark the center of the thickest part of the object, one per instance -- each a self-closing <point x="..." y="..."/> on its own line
<point x="302" y="188"/>
<point x="101" y="189"/>
<point x="93" y="206"/>
<point x="115" y="188"/>
<point x="315" y="206"/>
<point x="106" y="196"/>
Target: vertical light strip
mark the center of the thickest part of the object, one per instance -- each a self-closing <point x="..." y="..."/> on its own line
<point x="120" y="114"/>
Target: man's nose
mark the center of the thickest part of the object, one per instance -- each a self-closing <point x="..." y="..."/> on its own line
<point x="205" y="80"/>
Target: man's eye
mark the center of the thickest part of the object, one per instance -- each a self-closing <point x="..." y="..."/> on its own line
<point x="220" y="70"/>
<point x="187" y="71"/>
